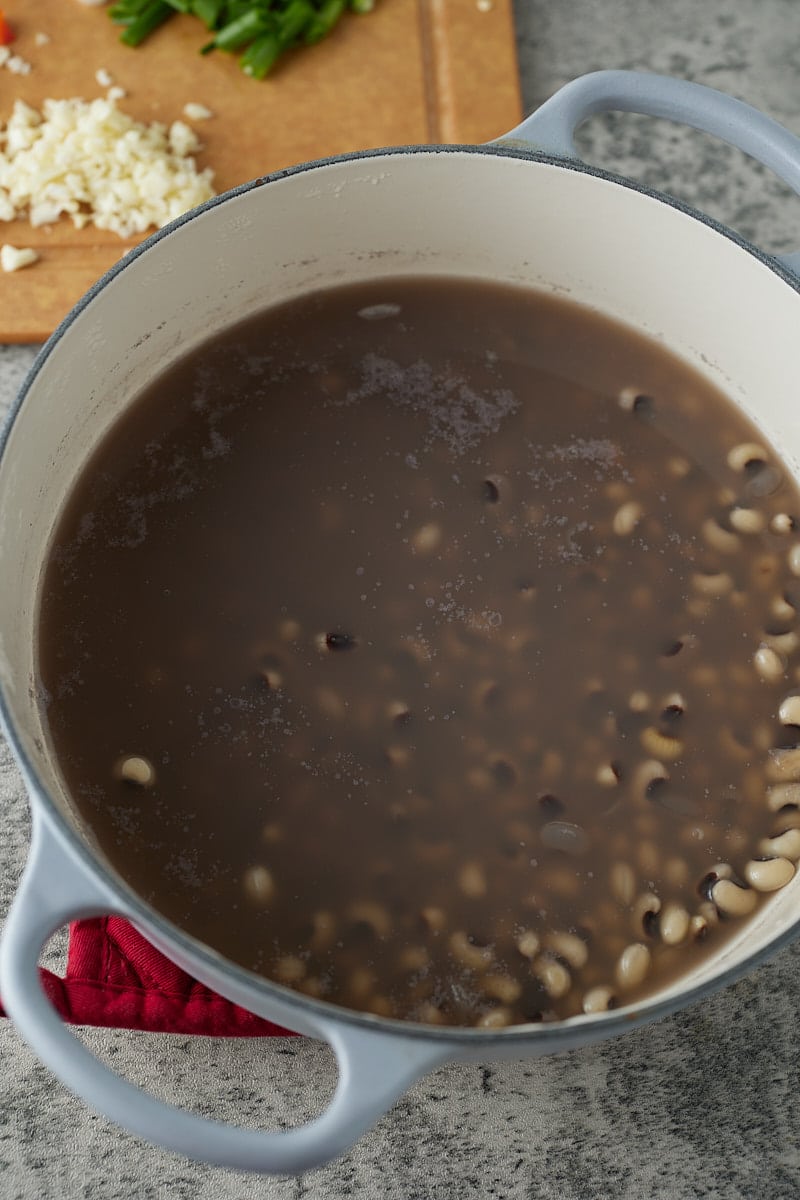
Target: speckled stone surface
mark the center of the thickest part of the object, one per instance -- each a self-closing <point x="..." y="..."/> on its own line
<point x="703" y="1104"/>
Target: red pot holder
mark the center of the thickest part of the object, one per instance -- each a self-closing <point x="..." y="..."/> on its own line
<point x="116" y="979"/>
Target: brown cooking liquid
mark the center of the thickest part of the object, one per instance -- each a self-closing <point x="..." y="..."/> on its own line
<point x="408" y="644"/>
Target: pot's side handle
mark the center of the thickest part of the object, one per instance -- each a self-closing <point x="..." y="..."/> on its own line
<point x="374" y="1068"/>
<point x="552" y="126"/>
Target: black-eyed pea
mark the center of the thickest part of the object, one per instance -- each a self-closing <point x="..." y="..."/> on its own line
<point x="568" y="946"/>
<point x="289" y="630"/>
<point x="397" y="756"/>
<point x="502" y="988"/>
<point x="746" y="520"/>
<point x="487" y="693"/>
<point x="673" y="924"/>
<point x="413" y="958"/>
<point x="272" y="678"/>
<point x="632" y="966"/>
<point x="323" y="930"/>
<point x="427" y="538"/>
<point x="639" y="701"/>
<point x="705" y="676"/>
<point x="678" y="466"/>
<point x="606" y="776"/>
<point x="551" y="766"/>
<point x="782" y="795"/>
<point x="762" y="736"/>
<point x="312" y="986"/>
<point x="788" y="818"/>
<point x="783" y="644"/>
<point x="380" y="1005"/>
<point x="645" y="775"/>
<point x="627" y="400"/>
<point x="732" y="747"/>
<point x="433" y="918"/>
<point x="769" y="664"/>
<point x="259" y="884"/>
<point x="782" y="610"/>
<point x="676" y="872"/>
<point x="782" y="523"/>
<point x="418" y="648"/>
<point x="398" y="712"/>
<point x="623" y="882"/>
<point x="504" y="773"/>
<point x="645" y="911"/>
<point x="745" y="455"/>
<point x="477" y="958"/>
<point x="599" y="999"/>
<point x="720" y="539"/>
<point x="793" y="559"/>
<point x="331" y="704"/>
<point x="472" y="880"/>
<point x="765" y="572"/>
<point x="708" y="584"/>
<point x="563" y="885"/>
<point x="733" y="900"/>
<point x="648" y="858"/>
<point x="768" y="875"/>
<point x="698" y="927"/>
<point x="626" y="518"/>
<point x="496" y="1018"/>
<point x="479" y="778"/>
<point x="553" y="976"/>
<point x="707" y="912"/>
<point x="135" y="769"/>
<point x="789" y="711"/>
<point x="429" y="1014"/>
<point x="272" y="833"/>
<point x="372" y="914"/>
<point x="783" y="765"/>
<point x="784" y="845"/>
<point x="660" y="745"/>
<point x="528" y="943"/>
<point x="289" y="969"/>
<point x="361" y="983"/>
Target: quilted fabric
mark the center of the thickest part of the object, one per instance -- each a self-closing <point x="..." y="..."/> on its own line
<point x="116" y="979"/>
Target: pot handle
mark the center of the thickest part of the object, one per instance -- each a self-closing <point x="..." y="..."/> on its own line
<point x="552" y="126"/>
<point x="375" y="1068"/>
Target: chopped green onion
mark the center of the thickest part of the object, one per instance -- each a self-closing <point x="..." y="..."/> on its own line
<point x="324" y="21"/>
<point x="208" y="11"/>
<point x="263" y="29"/>
<point x="261" y="56"/>
<point x="242" y="30"/>
<point x="295" y="18"/>
<point x="140" y="24"/>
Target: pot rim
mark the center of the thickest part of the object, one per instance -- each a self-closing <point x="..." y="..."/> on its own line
<point x="546" y="1034"/>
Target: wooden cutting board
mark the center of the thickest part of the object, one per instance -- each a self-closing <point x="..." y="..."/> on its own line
<point x="412" y="71"/>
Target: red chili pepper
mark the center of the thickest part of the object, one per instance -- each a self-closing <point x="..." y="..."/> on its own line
<point x="6" y="32"/>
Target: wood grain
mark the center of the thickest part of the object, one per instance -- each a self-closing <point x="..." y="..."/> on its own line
<point x="413" y="71"/>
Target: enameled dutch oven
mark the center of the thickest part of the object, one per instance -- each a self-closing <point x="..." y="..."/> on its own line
<point x="522" y="210"/>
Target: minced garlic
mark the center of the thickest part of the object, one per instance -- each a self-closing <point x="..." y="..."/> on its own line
<point x="13" y="258"/>
<point x="94" y="163"/>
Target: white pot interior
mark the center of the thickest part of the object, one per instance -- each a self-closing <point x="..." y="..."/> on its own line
<point x="439" y="213"/>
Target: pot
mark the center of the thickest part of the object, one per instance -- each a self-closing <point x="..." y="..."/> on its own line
<point x="522" y="210"/>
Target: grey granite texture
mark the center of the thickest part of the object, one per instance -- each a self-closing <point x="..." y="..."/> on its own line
<point x="700" y="1105"/>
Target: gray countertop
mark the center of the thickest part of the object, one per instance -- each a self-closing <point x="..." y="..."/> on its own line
<point x="703" y="1104"/>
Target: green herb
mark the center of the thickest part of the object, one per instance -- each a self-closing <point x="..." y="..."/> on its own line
<point x="262" y="29"/>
